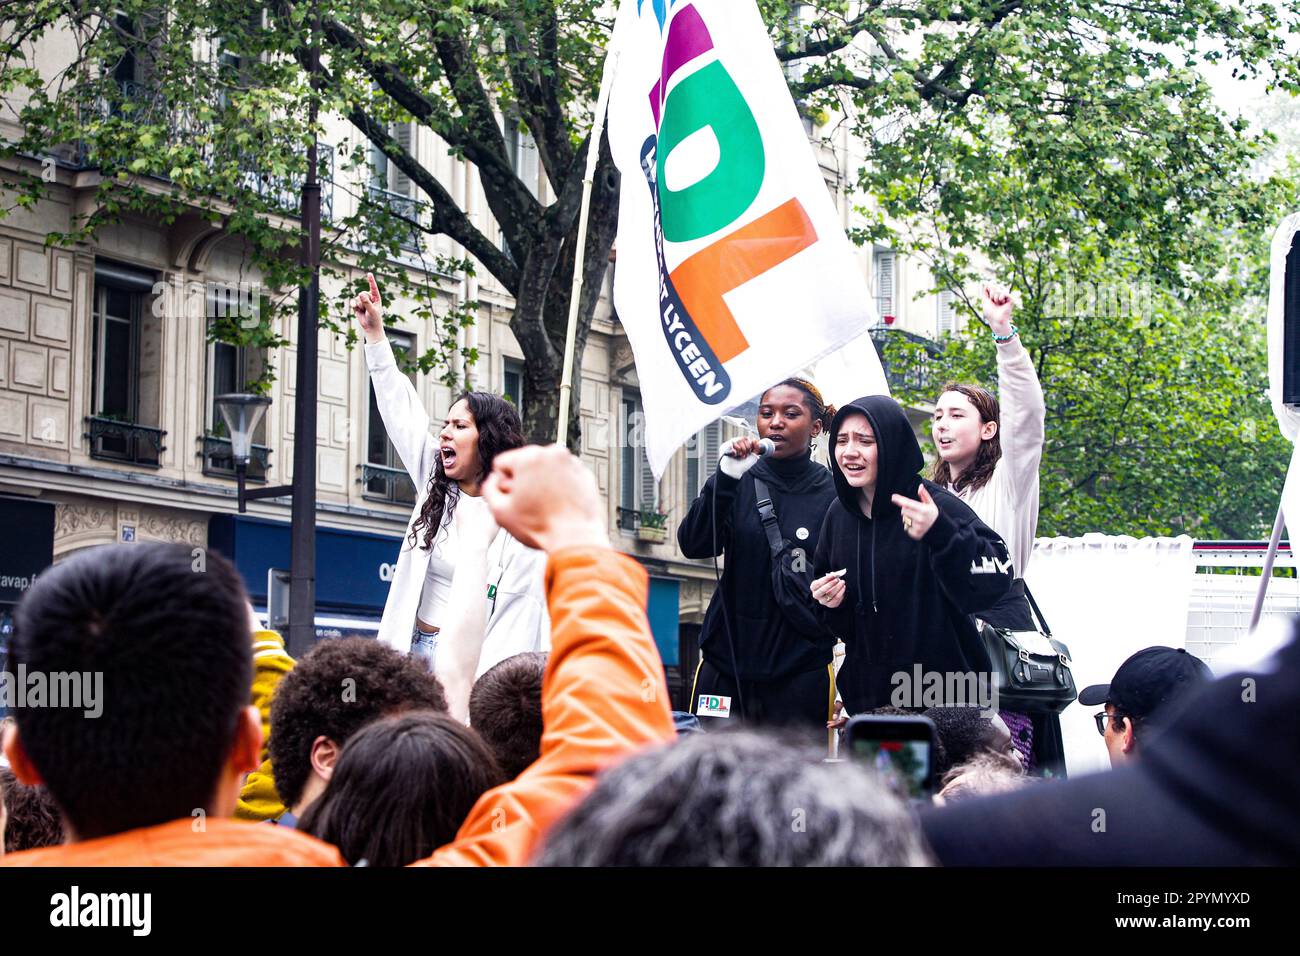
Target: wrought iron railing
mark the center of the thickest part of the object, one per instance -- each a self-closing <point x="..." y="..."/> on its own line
<point x="912" y="373"/>
<point x="629" y="519"/>
<point x="144" y="102"/>
<point x="217" y="459"/>
<point x="406" y="207"/>
<point x="115" y="440"/>
<point x="381" y="483"/>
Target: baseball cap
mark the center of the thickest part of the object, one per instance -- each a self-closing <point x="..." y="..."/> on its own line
<point x="1216" y="789"/>
<point x="1149" y="681"/>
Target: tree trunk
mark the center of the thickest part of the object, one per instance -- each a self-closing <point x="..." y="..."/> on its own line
<point x="541" y="312"/>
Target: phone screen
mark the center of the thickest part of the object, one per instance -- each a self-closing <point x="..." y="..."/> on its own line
<point x="900" y="749"/>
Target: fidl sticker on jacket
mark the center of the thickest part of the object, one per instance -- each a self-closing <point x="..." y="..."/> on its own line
<point x="709" y="706"/>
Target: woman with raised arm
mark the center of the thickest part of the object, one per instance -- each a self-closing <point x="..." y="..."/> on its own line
<point x="448" y="469"/>
<point x="989" y="454"/>
<point x="762" y="643"/>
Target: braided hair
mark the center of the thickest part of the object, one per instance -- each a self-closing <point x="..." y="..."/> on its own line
<point x="821" y="412"/>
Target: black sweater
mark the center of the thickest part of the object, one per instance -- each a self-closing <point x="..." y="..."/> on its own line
<point x="774" y="621"/>
<point x="907" y="602"/>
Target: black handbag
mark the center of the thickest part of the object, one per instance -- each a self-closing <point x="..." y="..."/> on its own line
<point x="1032" y="667"/>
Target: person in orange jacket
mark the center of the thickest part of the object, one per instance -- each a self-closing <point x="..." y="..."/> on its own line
<point x="164" y="797"/>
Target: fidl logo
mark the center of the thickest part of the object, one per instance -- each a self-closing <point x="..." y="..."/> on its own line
<point x="701" y="330"/>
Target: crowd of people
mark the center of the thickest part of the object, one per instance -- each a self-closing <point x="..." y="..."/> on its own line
<point x="515" y="711"/>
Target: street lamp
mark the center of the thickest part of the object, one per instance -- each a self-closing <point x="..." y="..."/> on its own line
<point x="242" y="413"/>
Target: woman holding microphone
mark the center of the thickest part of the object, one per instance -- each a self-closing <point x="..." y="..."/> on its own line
<point x="763" y="649"/>
<point x="448" y="468"/>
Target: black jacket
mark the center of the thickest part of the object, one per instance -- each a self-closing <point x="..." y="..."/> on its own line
<point x="907" y="601"/>
<point x="775" y="623"/>
<point x="1216" y="788"/>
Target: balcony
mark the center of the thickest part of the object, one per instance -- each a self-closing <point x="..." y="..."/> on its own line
<point x="218" y="461"/>
<point x="406" y="207"/>
<point x="144" y="103"/>
<point x="390" y="485"/>
<point x="910" y="373"/>
<point x="114" y="440"/>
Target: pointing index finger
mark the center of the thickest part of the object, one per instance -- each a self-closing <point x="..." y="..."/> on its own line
<point x="374" y="288"/>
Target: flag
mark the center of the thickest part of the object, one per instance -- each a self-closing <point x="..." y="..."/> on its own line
<point x="733" y="269"/>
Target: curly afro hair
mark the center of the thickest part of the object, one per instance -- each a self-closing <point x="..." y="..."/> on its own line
<point x="336" y="689"/>
<point x="34" y="820"/>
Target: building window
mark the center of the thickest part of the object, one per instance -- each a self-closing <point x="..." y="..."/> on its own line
<point x="946" y="313"/>
<point x="391" y="187"/>
<point x="231" y="368"/>
<point x="638" y="489"/>
<point x="384" y="477"/>
<point x="125" y="367"/>
<point x="883" y="266"/>
<point x="702" y="458"/>
<point x="512" y="383"/>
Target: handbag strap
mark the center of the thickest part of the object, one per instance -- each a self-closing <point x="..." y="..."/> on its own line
<point x="1042" y="621"/>
<point x="767" y="515"/>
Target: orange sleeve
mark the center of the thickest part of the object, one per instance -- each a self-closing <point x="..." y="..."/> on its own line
<point x="603" y="697"/>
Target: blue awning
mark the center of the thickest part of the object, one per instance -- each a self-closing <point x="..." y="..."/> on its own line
<point x="353" y="568"/>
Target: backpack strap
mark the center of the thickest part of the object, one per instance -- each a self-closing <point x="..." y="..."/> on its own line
<point x="767" y="515"/>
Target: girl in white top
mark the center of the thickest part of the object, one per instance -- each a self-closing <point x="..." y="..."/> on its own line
<point x="450" y="524"/>
<point x="989" y="457"/>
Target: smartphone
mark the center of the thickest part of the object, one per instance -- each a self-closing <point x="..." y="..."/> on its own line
<point x="900" y="748"/>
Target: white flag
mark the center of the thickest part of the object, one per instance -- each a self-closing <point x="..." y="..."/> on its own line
<point x="733" y="269"/>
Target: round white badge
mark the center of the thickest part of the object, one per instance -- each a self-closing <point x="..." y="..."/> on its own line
<point x="802" y="534"/>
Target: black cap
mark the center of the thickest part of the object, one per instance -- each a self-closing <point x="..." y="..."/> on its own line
<point x="1149" y="681"/>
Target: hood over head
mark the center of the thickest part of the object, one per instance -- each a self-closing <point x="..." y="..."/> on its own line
<point x="898" y="454"/>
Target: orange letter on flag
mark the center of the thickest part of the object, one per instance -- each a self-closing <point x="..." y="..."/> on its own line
<point x="732" y="261"/>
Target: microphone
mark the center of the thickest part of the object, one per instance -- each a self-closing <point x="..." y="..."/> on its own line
<point x="765" y="447"/>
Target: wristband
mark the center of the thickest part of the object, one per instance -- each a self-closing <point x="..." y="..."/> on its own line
<point x="1008" y="337"/>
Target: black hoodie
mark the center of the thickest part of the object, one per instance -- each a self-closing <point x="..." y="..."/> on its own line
<point x="907" y="602"/>
<point x="775" y="623"/>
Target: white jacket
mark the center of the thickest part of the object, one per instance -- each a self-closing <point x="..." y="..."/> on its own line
<point x="1008" y="501"/>
<point x="517" y="620"/>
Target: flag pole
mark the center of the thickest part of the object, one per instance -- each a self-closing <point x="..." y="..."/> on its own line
<point x="593" y="157"/>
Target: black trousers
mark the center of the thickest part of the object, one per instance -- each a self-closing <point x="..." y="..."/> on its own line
<point x="795" y="700"/>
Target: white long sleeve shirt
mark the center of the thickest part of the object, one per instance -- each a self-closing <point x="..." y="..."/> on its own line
<point x="517" y="620"/>
<point x="1008" y="501"/>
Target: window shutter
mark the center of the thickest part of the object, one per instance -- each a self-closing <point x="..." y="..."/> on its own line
<point x="649" y="487"/>
<point x="885" y="283"/>
<point x="404" y="134"/>
<point x="947" y="313"/>
<point x="711" y="446"/>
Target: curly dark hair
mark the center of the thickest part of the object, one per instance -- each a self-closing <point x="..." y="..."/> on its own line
<point x="990" y="453"/>
<point x="34" y="819"/>
<point x="499" y="429"/>
<point x="313" y="701"/>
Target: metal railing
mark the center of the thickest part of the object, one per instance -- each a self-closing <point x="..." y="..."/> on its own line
<point x="406" y="207"/>
<point x="114" y="440"/>
<point x="217" y="459"/>
<point x="381" y="483"/>
<point x="144" y="102"/>
<point x="912" y="374"/>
